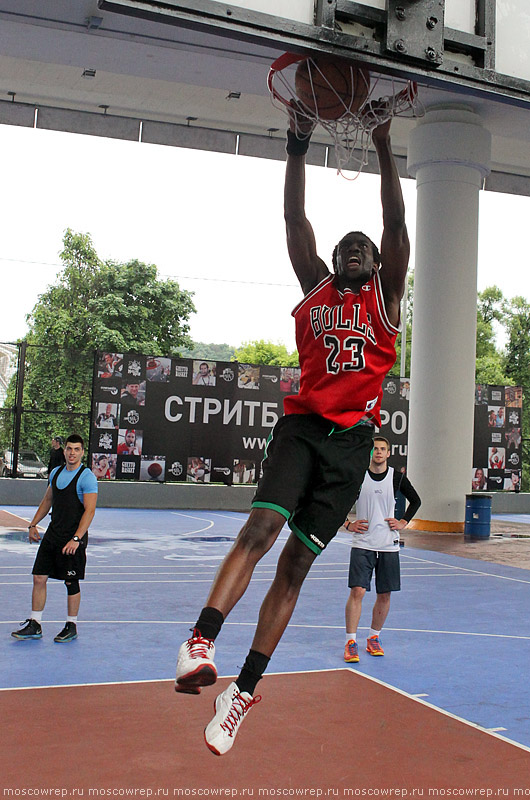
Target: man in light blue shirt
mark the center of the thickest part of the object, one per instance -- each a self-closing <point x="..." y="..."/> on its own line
<point x="71" y="495"/>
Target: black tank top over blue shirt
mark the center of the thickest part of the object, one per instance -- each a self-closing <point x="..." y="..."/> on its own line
<point x="67" y="510"/>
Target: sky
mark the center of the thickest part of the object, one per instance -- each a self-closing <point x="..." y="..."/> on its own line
<point x="213" y="222"/>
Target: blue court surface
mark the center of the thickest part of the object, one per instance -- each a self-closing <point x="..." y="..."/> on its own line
<point x="457" y="636"/>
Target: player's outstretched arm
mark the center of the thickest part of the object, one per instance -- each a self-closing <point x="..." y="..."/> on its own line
<point x="395" y="247"/>
<point x="309" y="268"/>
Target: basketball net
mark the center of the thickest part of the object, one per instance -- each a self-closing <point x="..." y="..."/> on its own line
<point x="352" y="131"/>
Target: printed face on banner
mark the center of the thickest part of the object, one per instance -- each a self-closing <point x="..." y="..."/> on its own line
<point x="110" y="365"/>
<point x="199" y="469"/>
<point x="130" y="442"/>
<point x="107" y="415"/>
<point x="204" y="373"/>
<point x="104" y="466"/>
<point x="132" y="393"/>
<point x="479" y="479"/>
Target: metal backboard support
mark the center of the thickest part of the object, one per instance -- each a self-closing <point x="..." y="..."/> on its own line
<point x="408" y="38"/>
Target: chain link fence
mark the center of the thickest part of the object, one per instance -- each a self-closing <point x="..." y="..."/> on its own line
<point x="47" y="392"/>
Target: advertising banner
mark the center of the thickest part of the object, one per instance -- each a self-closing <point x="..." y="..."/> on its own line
<point x="202" y="421"/>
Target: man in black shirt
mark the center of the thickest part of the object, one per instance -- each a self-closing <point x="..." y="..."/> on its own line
<point x="57" y="458"/>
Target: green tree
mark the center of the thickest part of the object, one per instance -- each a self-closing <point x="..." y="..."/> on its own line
<point x="262" y="352"/>
<point x="110" y="306"/>
<point x="489" y="361"/>
<point x="210" y="351"/>
<point x="517" y="366"/>
<point x="94" y="304"/>
<point x="396" y="369"/>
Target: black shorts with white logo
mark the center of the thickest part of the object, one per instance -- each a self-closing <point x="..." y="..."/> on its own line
<point x="52" y="562"/>
<point x="386" y="566"/>
<point x="312" y="475"/>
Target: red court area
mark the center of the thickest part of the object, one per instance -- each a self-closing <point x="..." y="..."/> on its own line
<point x="313" y="734"/>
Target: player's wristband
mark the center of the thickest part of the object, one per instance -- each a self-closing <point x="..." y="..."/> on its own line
<point x="296" y="146"/>
<point x="31" y="526"/>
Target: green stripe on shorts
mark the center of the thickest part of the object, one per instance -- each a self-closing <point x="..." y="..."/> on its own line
<point x="305" y="539"/>
<point x="273" y="507"/>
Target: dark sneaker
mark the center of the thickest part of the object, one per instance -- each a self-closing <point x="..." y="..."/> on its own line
<point x="32" y="630"/>
<point x="68" y="633"/>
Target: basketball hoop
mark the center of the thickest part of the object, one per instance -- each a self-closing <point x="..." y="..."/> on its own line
<point x="355" y="104"/>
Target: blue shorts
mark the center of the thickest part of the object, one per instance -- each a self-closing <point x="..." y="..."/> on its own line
<point x="386" y="566"/>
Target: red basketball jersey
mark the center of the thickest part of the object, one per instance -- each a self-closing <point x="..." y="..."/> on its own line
<point x="346" y="345"/>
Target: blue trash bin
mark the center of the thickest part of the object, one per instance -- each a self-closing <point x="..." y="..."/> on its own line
<point x="478" y="515"/>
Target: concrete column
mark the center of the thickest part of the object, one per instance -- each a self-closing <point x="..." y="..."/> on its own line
<point x="448" y="154"/>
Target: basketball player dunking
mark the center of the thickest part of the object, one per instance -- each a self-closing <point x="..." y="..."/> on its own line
<point x="318" y="453"/>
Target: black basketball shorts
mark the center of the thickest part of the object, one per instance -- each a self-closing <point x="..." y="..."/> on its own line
<point x="386" y="566"/>
<point x="312" y="474"/>
<point x="52" y="562"/>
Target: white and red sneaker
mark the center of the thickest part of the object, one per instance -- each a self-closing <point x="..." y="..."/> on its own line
<point x="195" y="667"/>
<point x="231" y="707"/>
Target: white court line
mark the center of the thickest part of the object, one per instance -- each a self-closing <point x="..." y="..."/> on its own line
<point x="201" y="519"/>
<point x="17" y="516"/>
<point x="414" y="698"/>
<point x="193" y="571"/>
<point x="357" y="673"/>
<point x="323" y="568"/>
<point x="208" y="580"/>
<point x="291" y="625"/>
<point x="473" y="571"/>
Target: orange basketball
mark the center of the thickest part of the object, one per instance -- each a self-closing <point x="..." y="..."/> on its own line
<point x="154" y="470"/>
<point x="330" y="87"/>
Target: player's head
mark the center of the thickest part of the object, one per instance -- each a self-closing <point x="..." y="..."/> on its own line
<point x="356" y="257"/>
<point x="132" y="388"/>
<point x="74" y="449"/>
<point x="108" y="409"/>
<point x="130" y="436"/>
<point x="204" y="368"/>
<point x="380" y="450"/>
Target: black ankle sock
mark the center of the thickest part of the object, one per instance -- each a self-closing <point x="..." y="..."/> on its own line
<point x="253" y="669"/>
<point x="210" y="622"/>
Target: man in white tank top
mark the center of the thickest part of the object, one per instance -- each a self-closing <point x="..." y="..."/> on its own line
<point x="375" y="546"/>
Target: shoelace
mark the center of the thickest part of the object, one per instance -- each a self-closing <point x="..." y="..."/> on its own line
<point x="199" y="647"/>
<point x="352" y="647"/>
<point x="238" y="709"/>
